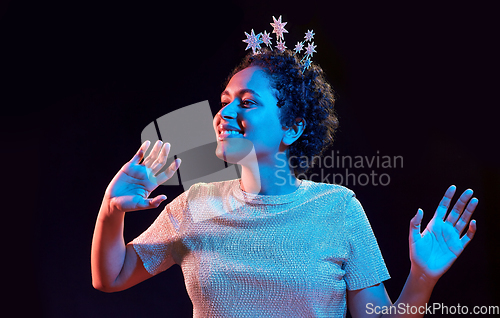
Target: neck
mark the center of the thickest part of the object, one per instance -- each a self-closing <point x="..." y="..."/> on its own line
<point x="273" y="178"/>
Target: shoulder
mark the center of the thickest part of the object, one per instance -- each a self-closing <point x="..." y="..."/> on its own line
<point x="341" y="201"/>
<point x="200" y="193"/>
<point x="202" y="189"/>
<point x="333" y="191"/>
<point x="206" y="200"/>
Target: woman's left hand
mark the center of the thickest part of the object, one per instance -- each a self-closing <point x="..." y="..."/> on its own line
<point x="433" y="252"/>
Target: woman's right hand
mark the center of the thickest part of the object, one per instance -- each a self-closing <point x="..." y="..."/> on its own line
<point x="130" y="188"/>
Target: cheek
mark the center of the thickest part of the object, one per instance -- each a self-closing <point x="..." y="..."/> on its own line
<point x="273" y="123"/>
<point x="262" y="125"/>
<point x="265" y="130"/>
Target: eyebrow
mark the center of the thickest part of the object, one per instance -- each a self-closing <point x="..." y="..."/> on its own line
<point x="242" y="92"/>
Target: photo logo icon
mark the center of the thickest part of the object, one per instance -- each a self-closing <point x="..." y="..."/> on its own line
<point x="190" y="132"/>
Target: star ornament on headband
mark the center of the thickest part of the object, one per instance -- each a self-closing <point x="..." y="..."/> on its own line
<point x="310" y="49"/>
<point x="281" y="46"/>
<point x="298" y="47"/>
<point x="266" y="39"/>
<point x="255" y="40"/>
<point x="309" y="35"/>
<point x="279" y="28"/>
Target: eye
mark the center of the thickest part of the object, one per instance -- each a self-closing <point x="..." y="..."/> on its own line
<point x="247" y="102"/>
<point x="223" y="104"/>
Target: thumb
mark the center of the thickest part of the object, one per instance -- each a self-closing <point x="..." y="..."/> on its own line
<point x="415" y="226"/>
<point x="151" y="203"/>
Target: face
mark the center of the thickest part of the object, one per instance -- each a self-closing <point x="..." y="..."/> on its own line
<point x="248" y="119"/>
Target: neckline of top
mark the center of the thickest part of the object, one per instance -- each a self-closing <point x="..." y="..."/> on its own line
<point x="252" y="198"/>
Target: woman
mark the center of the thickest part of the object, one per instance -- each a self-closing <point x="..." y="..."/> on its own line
<point x="258" y="246"/>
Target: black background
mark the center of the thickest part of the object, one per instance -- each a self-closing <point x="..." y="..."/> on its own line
<point x="81" y="79"/>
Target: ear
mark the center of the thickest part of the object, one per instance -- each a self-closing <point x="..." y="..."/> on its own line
<point x="294" y="132"/>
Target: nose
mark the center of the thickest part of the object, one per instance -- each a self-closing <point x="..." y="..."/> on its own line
<point x="228" y="111"/>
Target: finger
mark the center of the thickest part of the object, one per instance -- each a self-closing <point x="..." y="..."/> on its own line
<point x="445" y="203"/>
<point x="154" y="154"/>
<point x="161" y="160"/>
<point x="470" y="234"/>
<point x="465" y="217"/>
<point x="415" y="226"/>
<point x="169" y="172"/>
<point x="151" y="203"/>
<point x="140" y="153"/>
<point x="459" y="206"/>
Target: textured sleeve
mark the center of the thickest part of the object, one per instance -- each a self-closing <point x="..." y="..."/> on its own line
<point x="155" y="245"/>
<point x="365" y="265"/>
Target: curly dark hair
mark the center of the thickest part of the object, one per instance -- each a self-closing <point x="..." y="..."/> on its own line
<point x="301" y="94"/>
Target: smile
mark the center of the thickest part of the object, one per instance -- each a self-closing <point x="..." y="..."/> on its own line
<point x="229" y="134"/>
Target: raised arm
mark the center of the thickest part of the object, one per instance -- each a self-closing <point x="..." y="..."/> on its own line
<point x="116" y="266"/>
<point x="432" y="253"/>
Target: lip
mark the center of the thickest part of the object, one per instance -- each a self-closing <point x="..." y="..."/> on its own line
<point x="224" y="136"/>
<point x="222" y="127"/>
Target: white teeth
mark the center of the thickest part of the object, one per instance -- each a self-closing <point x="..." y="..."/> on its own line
<point x="230" y="132"/>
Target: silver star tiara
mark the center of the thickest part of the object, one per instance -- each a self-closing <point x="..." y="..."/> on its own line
<point x="255" y="40"/>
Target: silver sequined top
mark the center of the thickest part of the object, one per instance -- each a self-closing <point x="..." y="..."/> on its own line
<point x="245" y="255"/>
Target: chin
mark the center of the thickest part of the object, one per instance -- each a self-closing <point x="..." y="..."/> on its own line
<point x="236" y="151"/>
